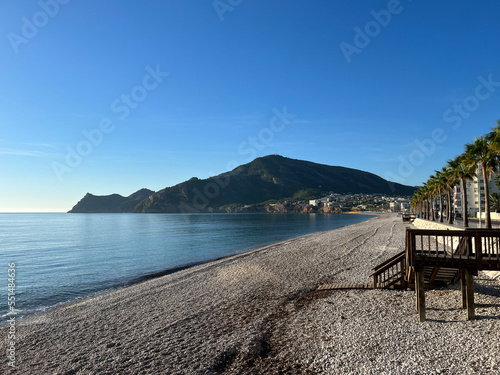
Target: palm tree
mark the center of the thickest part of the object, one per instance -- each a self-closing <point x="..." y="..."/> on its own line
<point x="441" y="185"/>
<point x="461" y="167"/>
<point x="424" y="191"/>
<point x="450" y="181"/>
<point x="483" y="153"/>
<point x="432" y="188"/>
<point x="416" y="203"/>
<point x="494" y="138"/>
<point x="495" y="201"/>
<point x="431" y="195"/>
<point x="421" y="200"/>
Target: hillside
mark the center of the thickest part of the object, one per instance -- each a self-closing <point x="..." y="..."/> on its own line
<point x="114" y="203"/>
<point x="268" y="178"/>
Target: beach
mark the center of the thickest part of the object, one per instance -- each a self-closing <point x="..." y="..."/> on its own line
<point x="259" y="312"/>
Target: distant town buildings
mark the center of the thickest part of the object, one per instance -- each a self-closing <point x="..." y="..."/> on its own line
<point x="361" y="202"/>
<point x="399" y="205"/>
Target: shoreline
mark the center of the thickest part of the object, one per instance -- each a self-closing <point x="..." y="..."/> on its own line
<point x="259" y="312"/>
<point x="158" y="274"/>
<point x="250" y="281"/>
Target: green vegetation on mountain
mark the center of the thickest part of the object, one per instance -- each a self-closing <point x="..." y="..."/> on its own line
<point x="267" y="179"/>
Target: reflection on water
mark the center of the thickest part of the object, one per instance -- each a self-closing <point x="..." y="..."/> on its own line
<point x="63" y="256"/>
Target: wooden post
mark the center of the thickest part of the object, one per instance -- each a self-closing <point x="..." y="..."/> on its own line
<point x="375" y="281"/>
<point x="417" y="308"/>
<point x="469" y="281"/>
<point x="420" y="288"/>
<point x="479" y="248"/>
<point x="464" y="288"/>
<point x="403" y="274"/>
<point x="434" y="275"/>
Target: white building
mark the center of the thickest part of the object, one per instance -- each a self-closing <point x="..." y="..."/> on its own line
<point x="475" y="188"/>
<point x="405" y="206"/>
<point x="317" y="202"/>
<point x="314" y="202"/>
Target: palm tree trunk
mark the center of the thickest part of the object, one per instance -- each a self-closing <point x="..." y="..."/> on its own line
<point x="465" y="213"/>
<point x="447" y="209"/>
<point x="486" y="197"/>
<point x="440" y="207"/>
<point x="450" y="209"/>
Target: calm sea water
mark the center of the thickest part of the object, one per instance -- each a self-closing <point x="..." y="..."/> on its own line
<point x="62" y="257"/>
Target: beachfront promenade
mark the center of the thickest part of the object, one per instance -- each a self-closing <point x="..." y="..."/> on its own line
<point x="261" y="312"/>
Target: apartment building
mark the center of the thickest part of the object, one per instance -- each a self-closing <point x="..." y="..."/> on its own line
<point x="475" y="190"/>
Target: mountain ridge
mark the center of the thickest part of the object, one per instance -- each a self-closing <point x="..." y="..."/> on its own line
<point x="114" y="203"/>
<point x="264" y="179"/>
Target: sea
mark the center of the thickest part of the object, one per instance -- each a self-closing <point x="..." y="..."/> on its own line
<point x="55" y="258"/>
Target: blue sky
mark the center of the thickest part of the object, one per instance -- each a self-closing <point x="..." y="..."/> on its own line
<point x="110" y="97"/>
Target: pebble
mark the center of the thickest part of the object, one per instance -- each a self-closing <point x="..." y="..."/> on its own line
<point x="258" y="313"/>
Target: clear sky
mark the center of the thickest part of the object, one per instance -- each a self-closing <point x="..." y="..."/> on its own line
<point x="113" y="96"/>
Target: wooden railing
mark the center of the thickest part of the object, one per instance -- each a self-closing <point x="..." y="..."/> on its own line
<point x="487" y="242"/>
<point x="474" y="249"/>
<point x="439" y="255"/>
<point x="391" y="273"/>
<point x="468" y="250"/>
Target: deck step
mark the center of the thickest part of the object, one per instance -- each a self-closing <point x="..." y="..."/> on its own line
<point x="345" y="286"/>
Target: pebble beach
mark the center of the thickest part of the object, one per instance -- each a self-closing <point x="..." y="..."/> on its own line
<point x="260" y="313"/>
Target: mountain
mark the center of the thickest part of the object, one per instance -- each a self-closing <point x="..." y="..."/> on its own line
<point x="267" y="178"/>
<point x="114" y="203"/>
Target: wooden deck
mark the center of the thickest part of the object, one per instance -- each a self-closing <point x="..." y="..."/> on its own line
<point x="438" y="257"/>
<point x="434" y="258"/>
